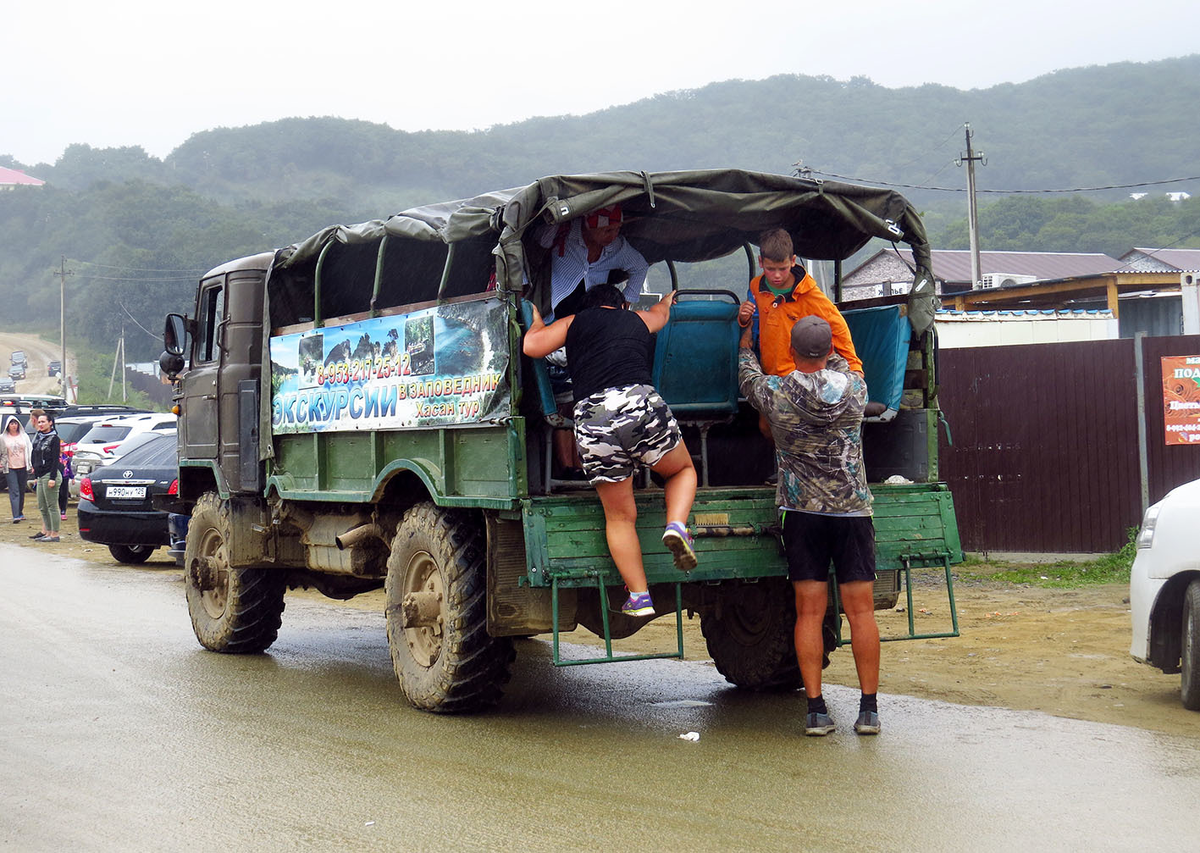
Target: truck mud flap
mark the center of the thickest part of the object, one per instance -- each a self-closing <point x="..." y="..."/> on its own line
<point x="515" y="609"/>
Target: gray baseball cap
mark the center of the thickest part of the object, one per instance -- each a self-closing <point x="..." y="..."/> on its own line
<point x="812" y="337"/>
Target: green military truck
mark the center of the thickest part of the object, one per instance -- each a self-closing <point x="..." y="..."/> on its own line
<point x="355" y="412"/>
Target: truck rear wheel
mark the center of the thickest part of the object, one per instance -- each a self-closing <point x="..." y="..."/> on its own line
<point x="749" y="636"/>
<point x="437" y="614"/>
<point x="235" y="611"/>
<point x="1189" y="686"/>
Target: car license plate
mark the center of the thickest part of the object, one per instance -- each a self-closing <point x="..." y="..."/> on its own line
<point x="125" y="492"/>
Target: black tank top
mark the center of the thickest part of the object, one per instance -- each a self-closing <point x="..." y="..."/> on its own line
<point x="607" y="348"/>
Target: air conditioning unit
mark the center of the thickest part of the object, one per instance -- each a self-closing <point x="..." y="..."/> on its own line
<point x="1004" y="279"/>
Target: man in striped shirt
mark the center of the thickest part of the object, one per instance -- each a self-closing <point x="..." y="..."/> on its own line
<point x="583" y="252"/>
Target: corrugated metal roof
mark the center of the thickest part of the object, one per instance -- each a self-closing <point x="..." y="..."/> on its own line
<point x="954" y="265"/>
<point x="1180" y="259"/>
<point x="14" y="176"/>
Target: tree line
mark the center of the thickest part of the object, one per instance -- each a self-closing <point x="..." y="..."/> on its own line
<point x="137" y="231"/>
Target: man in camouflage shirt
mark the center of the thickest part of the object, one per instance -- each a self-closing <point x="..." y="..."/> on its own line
<point x="815" y="413"/>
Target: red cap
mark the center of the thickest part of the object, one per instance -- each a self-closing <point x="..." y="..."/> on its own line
<point x="604" y="217"/>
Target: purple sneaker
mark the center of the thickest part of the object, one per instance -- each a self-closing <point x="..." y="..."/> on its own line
<point x="638" y="604"/>
<point x="679" y="541"/>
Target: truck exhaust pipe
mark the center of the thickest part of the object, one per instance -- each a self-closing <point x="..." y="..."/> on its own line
<point x="356" y="535"/>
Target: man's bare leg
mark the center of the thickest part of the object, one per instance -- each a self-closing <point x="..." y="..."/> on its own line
<point x="858" y="602"/>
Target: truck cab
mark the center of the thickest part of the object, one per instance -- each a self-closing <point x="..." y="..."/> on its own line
<point x="356" y="413"/>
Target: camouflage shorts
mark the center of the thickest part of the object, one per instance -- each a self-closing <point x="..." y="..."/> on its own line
<point x="620" y="428"/>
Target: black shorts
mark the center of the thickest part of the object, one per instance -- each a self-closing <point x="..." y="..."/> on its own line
<point x="812" y="542"/>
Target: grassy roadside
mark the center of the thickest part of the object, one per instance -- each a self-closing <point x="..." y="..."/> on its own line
<point x="1066" y="574"/>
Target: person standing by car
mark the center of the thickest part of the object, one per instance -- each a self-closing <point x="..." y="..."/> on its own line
<point x="815" y="414"/>
<point x="15" y="455"/>
<point x="46" y="449"/>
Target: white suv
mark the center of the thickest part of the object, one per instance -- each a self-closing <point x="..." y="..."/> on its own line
<point x="101" y="441"/>
<point x="1164" y="590"/>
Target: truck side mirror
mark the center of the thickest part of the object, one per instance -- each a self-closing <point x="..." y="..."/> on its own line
<point x="175" y="334"/>
<point x="171" y="364"/>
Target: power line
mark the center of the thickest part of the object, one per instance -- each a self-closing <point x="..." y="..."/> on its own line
<point x="196" y="270"/>
<point x="953" y="133"/>
<point x="135" y="321"/>
<point x="133" y="280"/>
<point x="1009" y="192"/>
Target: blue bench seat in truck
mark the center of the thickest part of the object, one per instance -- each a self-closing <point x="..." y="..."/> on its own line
<point x="695" y="366"/>
<point x="881" y="337"/>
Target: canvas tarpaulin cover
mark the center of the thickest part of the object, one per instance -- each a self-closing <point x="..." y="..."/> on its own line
<point x="685" y="216"/>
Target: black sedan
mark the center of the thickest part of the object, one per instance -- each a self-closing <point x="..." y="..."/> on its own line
<point x="115" y="501"/>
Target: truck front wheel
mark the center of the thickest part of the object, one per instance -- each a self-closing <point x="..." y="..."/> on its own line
<point x="1189" y="685"/>
<point x="236" y="611"/>
<point x="437" y="614"/>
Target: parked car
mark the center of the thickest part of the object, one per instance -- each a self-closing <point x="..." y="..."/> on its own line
<point x="71" y="429"/>
<point x="50" y="402"/>
<point x="85" y="463"/>
<point x="1164" y="590"/>
<point x="102" y="440"/>
<point x="54" y="368"/>
<point x="115" y="500"/>
<point x="98" y="410"/>
<point x="17" y="371"/>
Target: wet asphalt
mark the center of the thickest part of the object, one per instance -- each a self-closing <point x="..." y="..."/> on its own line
<point x="118" y="732"/>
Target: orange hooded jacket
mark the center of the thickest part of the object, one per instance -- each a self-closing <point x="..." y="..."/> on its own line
<point x="777" y="315"/>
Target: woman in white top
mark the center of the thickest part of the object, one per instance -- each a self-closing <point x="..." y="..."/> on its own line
<point x="15" y="452"/>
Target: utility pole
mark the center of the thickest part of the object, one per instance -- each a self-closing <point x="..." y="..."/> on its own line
<point x="118" y="355"/>
<point x="63" y="379"/>
<point x="972" y="216"/>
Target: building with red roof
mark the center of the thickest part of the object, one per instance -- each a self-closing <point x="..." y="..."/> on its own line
<point x="10" y="178"/>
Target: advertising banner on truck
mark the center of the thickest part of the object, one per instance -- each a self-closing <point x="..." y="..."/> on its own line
<point x="435" y="367"/>
<point x="1181" y="398"/>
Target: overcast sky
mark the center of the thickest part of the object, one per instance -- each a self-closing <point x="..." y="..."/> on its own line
<point x="130" y="72"/>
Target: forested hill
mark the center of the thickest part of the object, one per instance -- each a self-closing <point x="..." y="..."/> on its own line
<point x="1084" y="127"/>
<point x="136" y="231"/>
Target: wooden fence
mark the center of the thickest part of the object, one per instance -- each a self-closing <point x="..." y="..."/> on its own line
<point x="1044" y="451"/>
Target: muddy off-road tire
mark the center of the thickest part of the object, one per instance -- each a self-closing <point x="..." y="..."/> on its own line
<point x="443" y="656"/>
<point x="751" y="636"/>
<point x="235" y="611"/>
<point x="1189" y="685"/>
<point x="131" y="554"/>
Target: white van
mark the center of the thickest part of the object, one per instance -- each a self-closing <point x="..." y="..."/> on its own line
<point x="1164" y="590"/>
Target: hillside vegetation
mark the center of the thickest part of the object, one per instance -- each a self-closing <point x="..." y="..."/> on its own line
<point x="136" y="231"/>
